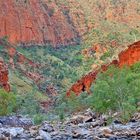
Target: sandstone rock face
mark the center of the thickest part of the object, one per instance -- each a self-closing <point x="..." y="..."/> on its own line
<point x="83" y="84"/>
<point x="40" y="22"/>
<point x="4" y="76"/>
<point x="58" y="22"/>
<point x="126" y="57"/>
<point x="130" y="56"/>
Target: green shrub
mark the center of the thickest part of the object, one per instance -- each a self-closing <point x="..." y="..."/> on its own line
<point x="28" y="105"/>
<point x="7" y="102"/>
<point x="39" y="118"/>
<point x="68" y="105"/>
<point x="135" y="68"/>
<point x="106" y="55"/>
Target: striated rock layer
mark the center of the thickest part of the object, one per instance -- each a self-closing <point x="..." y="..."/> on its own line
<point x="127" y="57"/>
<point x="13" y="60"/>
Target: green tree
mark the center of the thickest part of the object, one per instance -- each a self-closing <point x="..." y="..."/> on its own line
<point x="116" y="90"/>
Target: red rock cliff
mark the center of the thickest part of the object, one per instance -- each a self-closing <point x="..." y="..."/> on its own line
<point x="130" y="55"/>
<point x="63" y="22"/>
<point x="36" y="21"/>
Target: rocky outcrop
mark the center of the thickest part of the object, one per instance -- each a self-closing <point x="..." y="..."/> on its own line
<point x="130" y="55"/>
<point x="127" y="57"/>
<point x="18" y="121"/>
<point x="4" y="76"/>
<point x="83" y="84"/>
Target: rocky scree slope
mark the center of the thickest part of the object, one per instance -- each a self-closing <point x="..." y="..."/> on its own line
<point x="86" y="125"/>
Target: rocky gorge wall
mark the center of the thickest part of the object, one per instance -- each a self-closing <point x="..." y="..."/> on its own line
<point x="130" y="55"/>
<point x="127" y="57"/>
<point x="59" y="22"/>
<point x="37" y="22"/>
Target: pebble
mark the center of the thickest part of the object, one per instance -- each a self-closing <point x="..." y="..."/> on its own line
<point x="39" y="138"/>
<point x="44" y="135"/>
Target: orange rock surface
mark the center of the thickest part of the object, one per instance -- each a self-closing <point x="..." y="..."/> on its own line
<point x="126" y="57"/>
<point x="66" y="22"/>
<point x="131" y="55"/>
<point x="35" y="21"/>
<point x="4" y="76"/>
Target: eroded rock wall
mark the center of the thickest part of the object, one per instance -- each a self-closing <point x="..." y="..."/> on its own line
<point x="63" y="22"/>
<point x="130" y="55"/>
<point x="36" y="21"/>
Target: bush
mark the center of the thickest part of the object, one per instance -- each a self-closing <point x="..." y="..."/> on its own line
<point x="39" y="118"/>
<point x="28" y="105"/>
<point x="135" y="68"/>
<point x="7" y="102"/>
<point x="68" y="105"/>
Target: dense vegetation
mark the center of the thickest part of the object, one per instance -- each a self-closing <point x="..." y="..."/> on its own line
<point x="116" y="90"/>
<point x="61" y="66"/>
<point x="7" y="102"/>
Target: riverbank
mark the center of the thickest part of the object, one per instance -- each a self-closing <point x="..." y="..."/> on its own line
<point x="85" y="125"/>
